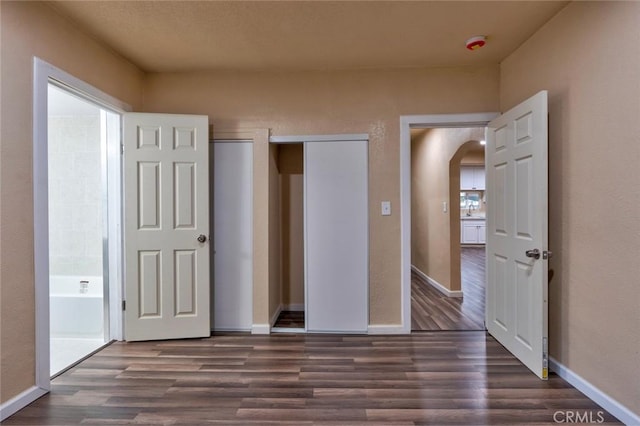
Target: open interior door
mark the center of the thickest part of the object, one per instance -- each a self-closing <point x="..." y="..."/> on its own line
<point x="517" y="251"/>
<point x="166" y="226"/>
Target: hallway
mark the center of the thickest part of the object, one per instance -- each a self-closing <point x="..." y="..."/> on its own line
<point x="432" y="311"/>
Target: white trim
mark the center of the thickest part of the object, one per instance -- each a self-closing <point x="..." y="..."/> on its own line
<point x="294" y="307"/>
<point x="260" y="329"/>
<point x="622" y="413"/>
<point x="288" y="330"/>
<point x="20" y="401"/>
<point x="230" y="141"/>
<point x="386" y="329"/>
<point x="255" y="136"/>
<point x="406" y="122"/>
<point x="43" y="73"/>
<point x="319" y="138"/>
<point x="115" y="233"/>
<point x="275" y="316"/>
<point x="41" y="222"/>
<point x="435" y="284"/>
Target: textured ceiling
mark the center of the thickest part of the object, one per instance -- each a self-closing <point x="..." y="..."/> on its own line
<point x="168" y="36"/>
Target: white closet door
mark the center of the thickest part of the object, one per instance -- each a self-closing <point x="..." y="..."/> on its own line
<point x="233" y="236"/>
<point x="336" y="243"/>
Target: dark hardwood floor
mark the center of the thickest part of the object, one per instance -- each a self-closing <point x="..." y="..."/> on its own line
<point x="424" y="378"/>
<point x="290" y="319"/>
<point x="431" y="310"/>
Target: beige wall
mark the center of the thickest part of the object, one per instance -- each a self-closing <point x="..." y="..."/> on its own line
<point x="292" y="231"/>
<point x="29" y="29"/>
<point x="588" y="57"/>
<point x="474" y="157"/>
<point x="337" y="102"/>
<point x="432" y="152"/>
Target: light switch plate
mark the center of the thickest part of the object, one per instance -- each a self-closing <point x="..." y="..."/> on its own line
<point x="386" y="208"/>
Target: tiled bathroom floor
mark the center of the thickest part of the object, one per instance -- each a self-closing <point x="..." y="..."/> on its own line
<point x="66" y="351"/>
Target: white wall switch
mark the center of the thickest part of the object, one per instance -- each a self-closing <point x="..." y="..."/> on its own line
<point x="444" y="207"/>
<point x="386" y="208"/>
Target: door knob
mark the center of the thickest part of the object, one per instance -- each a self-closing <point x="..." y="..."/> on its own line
<point x="535" y="253"/>
<point x="202" y="238"/>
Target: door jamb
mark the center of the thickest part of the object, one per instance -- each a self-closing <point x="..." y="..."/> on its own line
<point x="406" y="123"/>
<point x="43" y="73"/>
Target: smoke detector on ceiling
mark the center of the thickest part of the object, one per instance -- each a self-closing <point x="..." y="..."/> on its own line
<point x="476" y="42"/>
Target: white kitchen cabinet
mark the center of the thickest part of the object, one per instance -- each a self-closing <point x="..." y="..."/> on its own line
<point x="473" y="231"/>
<point x="472" y="178"/>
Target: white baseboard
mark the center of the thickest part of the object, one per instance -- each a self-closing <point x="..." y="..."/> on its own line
<point x="388" y="329"/>
<point x="229" y="329"/>
<point x="260" y="329"/>
<point x="622" y="413"/>
<point x="20" y="401"/>
<point x="294" y="307"/>
<point x="275" y="315"/>
<point x="435" y="284"/>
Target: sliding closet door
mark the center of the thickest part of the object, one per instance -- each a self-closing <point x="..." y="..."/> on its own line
<point x="233" y="236"/>
<point x="336" y="231"/>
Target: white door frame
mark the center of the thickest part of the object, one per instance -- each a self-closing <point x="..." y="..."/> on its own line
<point x="301" y="139"/>
<point x="406" y="123"/>
<point x="260" y="202"/>
<point x="43" y="73"/>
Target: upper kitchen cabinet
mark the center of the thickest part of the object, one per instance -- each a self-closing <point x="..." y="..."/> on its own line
<point x="472" y="178"/>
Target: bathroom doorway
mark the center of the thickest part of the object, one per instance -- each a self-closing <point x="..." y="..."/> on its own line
<point x="81" y="220"/>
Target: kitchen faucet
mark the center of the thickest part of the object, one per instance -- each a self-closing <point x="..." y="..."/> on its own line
<point x="469" y="208"/>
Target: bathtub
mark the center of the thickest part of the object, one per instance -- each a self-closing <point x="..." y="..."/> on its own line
<point x="76" y="306"/>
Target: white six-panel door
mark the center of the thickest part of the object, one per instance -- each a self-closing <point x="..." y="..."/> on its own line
<point x="336" y="236"/>
<point x="233" y="235"/>
<point x="517" y="240"/>
<point x="166" y="217"/>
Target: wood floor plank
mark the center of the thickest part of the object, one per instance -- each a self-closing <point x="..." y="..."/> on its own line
<point x="431" y="310"/>
<point x="444" y="377"/>
<point x="290" y="319"/>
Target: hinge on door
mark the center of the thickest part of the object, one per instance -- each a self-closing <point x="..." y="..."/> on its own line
<point x="124" y="305"/>
<point x="121" y="149"/>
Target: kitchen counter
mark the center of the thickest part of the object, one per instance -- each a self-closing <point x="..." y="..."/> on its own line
<point x="472" y="217"/>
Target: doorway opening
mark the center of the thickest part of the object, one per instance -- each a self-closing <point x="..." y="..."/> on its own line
<point x="318" y="233"/>
<point x="76" y="217"/>
<point x="82" y="254"/>
<point x="446" y="282"/>
<point x="290" y="314"/>
<point x="408" y="124"/>
<point x="469" y="163"/>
